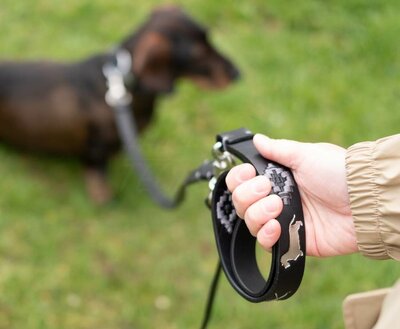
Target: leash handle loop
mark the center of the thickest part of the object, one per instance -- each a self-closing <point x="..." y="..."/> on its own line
<point x="235" y="244"/>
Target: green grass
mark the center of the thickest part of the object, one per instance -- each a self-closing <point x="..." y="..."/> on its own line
<point x="312" y="70"/>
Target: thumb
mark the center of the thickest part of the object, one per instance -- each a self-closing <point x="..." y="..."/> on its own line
<point x="282" y="151"/>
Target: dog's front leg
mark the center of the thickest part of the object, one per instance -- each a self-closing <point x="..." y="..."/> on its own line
<point x="97" y="185"/>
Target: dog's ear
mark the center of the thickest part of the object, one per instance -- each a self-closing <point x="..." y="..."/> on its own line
<point x="152" y="63"/>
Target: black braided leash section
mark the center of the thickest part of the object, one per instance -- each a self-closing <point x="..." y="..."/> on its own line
<point x="235" y="244"/>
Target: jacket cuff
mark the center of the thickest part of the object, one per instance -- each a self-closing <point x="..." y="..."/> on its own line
<point x="364" y="200"/>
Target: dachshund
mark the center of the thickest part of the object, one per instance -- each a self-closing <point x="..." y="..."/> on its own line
<point x="60" y="108"/>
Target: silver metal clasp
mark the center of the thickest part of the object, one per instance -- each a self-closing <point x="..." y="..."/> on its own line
<point x="223" y="161"/>
<point x="116" y="94"/>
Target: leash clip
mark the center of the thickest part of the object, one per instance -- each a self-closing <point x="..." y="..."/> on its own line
<point x="223" y="161"/>
<point x="116" y="94"/>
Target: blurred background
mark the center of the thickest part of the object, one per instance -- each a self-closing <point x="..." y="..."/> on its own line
<point x="311" y="70"/>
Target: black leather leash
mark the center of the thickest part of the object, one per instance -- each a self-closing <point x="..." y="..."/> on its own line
<point x="235" y="244"/>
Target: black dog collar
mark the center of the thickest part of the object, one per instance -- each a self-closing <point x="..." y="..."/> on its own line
<point x="236" y="246"/>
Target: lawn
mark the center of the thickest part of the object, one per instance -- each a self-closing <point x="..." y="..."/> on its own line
<point x="311" y="70"/>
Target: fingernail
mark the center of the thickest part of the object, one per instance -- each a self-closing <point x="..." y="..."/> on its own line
<point x="270" y="207"/>
<point x="269" y="230"/>
<point x="260" y="185"/>
<point x="261" y="137"/>
<point x="244" y="175"/>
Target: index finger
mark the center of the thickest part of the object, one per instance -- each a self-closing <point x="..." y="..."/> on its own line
<point x="239" y="174"/>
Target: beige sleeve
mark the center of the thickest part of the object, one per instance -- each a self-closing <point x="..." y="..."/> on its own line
<point x="362" y="310"/>
<point x="373" y="178"/>
<point x="389" y="315"/>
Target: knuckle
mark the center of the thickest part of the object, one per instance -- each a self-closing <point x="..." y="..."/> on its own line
<point x="238" y="198"/>
<point x="231" y="180"/>
<point x="253" y="219"/>
<point x="252" y="215"/>
<point x="264" y="241"/>
<point x="252" y="228"/>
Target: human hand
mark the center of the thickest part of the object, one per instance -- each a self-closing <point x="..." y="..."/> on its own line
<point x="319" y="170"/>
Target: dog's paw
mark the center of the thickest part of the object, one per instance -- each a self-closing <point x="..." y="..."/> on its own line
<point x="97" y="187"/>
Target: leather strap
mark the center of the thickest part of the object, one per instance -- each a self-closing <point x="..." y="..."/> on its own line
<point x="236" y="246"/>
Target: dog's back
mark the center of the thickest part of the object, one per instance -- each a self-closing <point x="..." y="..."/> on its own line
<point x="46" y="106"/>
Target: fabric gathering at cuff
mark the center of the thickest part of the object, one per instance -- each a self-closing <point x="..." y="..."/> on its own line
<point x="364" y="199"/>
<point x="373" y="178"/>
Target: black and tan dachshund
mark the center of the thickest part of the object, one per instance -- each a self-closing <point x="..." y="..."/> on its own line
<point x="60" y="108"/>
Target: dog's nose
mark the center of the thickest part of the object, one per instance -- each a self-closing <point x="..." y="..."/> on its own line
<point x="234" y="73"/>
